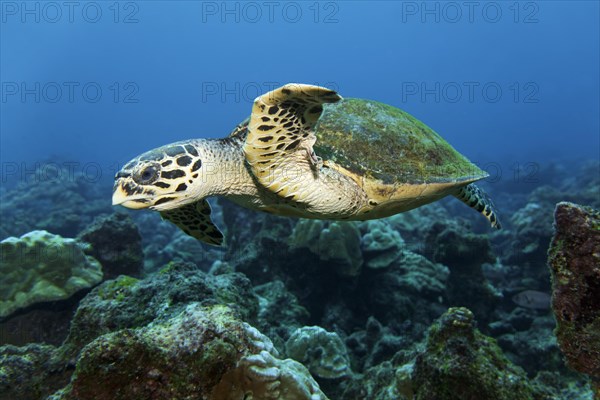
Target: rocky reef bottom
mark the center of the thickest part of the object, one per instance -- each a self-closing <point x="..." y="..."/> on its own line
<point x="425" y="305"/>
<point x="182" y="333"/>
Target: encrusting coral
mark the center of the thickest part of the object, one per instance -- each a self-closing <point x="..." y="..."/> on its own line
<point x="335" y="242"/>
<point x="322" y="352"/>
<point x="381" y="244"/>
<point x="40" y="267"/>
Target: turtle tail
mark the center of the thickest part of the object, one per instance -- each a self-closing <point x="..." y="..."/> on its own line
<point x="473" y="196"/>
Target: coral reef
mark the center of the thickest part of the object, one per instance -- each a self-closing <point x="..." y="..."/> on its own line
<point x="322" y="352"/>
<point x="42" y="323"/>
<point x="409" y="289"/>
<point x="374" y="345"/>
<point x="381" y="244"/>
<point x="533" y="229"/>
<point x="389" y="380"/>
<point x="357" y="297"/>
<point x="40" y="267"/>
<point x="116" y="243"/>
<point x="31" y="372"/>
<point x="280" y="312"/>
<point x="129" y="303"/>
<point x="464" y="253"/>
<point x="527" y="339"/>
<point x="574" y="259"/>
<point x="175" y="330"/>
<point x="163" y="242"/>
<point x="337" y="243"/>
<point x="526" y="245"/>
<point x="204" y="352"/>
<point x="53" y="198"/>
<point x="457" y="362"/>
<point x="461" y="363"/>
<point x="266" y="377"/>
<point x="415" y="224"/>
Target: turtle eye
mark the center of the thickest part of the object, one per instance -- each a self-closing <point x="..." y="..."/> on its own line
<point x="146" y="175"/>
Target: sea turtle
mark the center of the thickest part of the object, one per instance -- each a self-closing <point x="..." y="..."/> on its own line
<point x="304" y="152"/>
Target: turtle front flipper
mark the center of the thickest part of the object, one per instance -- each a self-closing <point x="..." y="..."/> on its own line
<point x="240" y="130"/>
<point x="473" y="196"/>
<point x="279" y="145"/>
<point x="194" y="220"/>
<point x="279" y="152"/>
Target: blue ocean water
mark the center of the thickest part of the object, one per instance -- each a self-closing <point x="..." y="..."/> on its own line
<point x="100" y="82"/>
<point x="389" y="305"/>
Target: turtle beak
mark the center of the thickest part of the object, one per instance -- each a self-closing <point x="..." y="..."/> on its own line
<point x="121" y="198"/>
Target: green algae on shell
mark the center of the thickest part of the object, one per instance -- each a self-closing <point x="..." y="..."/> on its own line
<point x="382" y="142"/>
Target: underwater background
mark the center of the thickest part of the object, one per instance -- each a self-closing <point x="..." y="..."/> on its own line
<point x="100" y="302"/>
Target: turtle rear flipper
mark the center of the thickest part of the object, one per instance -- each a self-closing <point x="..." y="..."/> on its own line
<point x="473" y="196"/>
<point x="194" y="220"/>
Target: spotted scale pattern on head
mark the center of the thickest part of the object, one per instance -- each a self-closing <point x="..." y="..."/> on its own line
<point x="194" y="220"/>
<point x="158" y="177"/>
<point x="280" y="139"/>
<point x="473" y="196"/>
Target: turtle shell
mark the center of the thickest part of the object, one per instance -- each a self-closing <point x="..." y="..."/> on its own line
<point x="381" y="142"/>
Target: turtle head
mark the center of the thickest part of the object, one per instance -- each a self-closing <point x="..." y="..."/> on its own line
<point x="161" y="179"/>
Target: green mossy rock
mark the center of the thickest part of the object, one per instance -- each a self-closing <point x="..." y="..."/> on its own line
<point x="460" y="363"/>
<point x="31" y="372"/>
<point x="574" y="260"/>
<point x="201" y="353"/>
<point x="128" y="303"/>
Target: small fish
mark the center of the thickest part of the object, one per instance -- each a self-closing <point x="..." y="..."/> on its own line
<point x="532" y="299"/>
